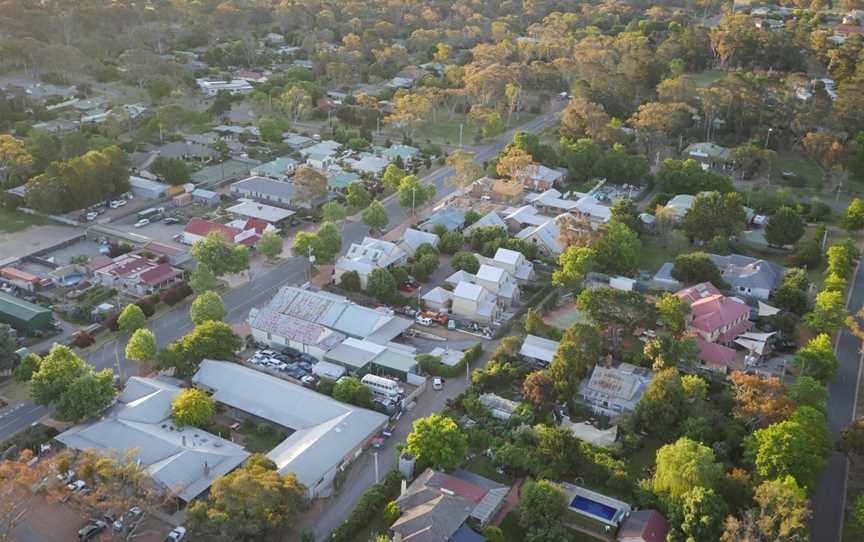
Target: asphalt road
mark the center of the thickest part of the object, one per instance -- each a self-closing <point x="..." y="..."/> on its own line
<point x="829" y="494"/>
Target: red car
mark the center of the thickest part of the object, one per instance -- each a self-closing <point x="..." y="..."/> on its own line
<point x="406" y="288"/>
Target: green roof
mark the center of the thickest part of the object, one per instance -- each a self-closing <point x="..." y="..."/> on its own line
<point x="218" y="172"/>
<point x="342" y="180"/>
<point x="20" y="309"/>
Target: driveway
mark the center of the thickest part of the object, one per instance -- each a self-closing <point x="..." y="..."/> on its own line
<point x="829" y="495"/>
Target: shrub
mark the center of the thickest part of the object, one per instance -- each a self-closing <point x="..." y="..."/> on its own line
<point x="147" y="307"/>
<point x="350" y="281"/>
<point x="370" y="506"/>
<point x="111" y="321"/>
<point x="82" y="339"/>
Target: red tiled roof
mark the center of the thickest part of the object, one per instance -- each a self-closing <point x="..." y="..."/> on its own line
<point x="130" y="264"/>
<point x="698" y="291"/>
<point x="463" y="488"/>
<point x="199" y="226"/>
<point x="717" y="311"/>
<point x="649" y="525"/>
<point x="714" y="354"/>
<point x="98" y="263"/>
<point x="162" y="249"/>
<point x="160" y="273"/>
<point x="256" y="224"/>
<point x="13" y="273"/>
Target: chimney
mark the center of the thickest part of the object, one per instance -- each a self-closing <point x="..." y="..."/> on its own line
<point x="206" y="468"/>
<point x="404" y="490"/>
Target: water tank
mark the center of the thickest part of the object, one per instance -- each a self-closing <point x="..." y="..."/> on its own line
<point x="406" y="465"/>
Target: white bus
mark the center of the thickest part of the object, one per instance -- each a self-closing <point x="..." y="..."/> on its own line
<point x="382" y="386"/>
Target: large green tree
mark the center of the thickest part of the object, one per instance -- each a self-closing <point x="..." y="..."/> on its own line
<point x="817" y="358"/>
<point x="437" y="441"/>
<point x="575" y="263"/>
<point x="251" y="503"/>
<point x="142" y="346"/>
<point x="674" y="312"/>
<point x="357" y="195"/>
<point x="375" y="217"/>
<point x="203" y="279"/>
<point x="542" y="504"/>
<point x="207" y="306"/>
<point x="131" y="319"/>
<point x="67" y="382"/>
<point x="270" y="245"/>
<point x="209" y="340"/>
<point x="193" y="407"/>
<point x="829" y="312"/>
<point x="785" y="227"/>
<point x="8" y="357"/>
<point x="220" y="256"/>
<point x="579" y="350"/>
<point x="662" y="406"/>
<point x="683" y="466"/>
<point x="696" y="267"/>
<point x="351" y="390"/>
<point x="714" y="214"/>
<point x="412" y="194"/>
<point x="617" y="252"/>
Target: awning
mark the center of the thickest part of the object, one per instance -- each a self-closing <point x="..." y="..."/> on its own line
<point x="767" y="310"/>
<point x="757" y="336"/>
<point x="757" y="347"/>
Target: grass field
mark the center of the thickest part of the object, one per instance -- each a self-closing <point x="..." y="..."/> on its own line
<point x="802" y="166"/>
<point x="445" y="129"/>
<point x="14" y="221"/>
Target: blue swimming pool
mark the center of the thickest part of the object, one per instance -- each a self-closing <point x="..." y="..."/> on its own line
<point x="594" y="508"/>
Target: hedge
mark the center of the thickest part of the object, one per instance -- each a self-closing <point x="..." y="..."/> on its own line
<point x="370" y="507"/>
<point x="431" y="365"/>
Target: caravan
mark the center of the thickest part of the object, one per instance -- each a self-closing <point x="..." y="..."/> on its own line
<point x="383" y="387"/>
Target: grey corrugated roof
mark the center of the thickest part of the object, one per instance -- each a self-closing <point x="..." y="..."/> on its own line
<point x="539" y="348"/>
<point x="749" y="272"/>
<point x="263" y="185"/>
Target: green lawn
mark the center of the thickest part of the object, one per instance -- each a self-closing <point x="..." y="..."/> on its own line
<point x="704" y="79"/>
<point x="445" y="129"/>
<point x="13" y="221"/>
<point x="655" y="252"/>
<point x="259" y="440"/>
<point x="806" y="169"/>
<point x="637" y="462"/>
<point x="484" y="466"/>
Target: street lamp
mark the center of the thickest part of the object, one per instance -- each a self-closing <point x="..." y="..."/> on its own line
<point x="768" y="136"/>
<point x="413" y="198"/>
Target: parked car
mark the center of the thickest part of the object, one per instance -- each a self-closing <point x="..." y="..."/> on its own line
<point x="423" y="320"/>
<point x="76" y="486"/>
<point x="66" y="477"/>
<point x="172" y="220"/>
<point x="89" y="531"/>
<point x="129" y="519"/>
<point x="289" y="351"/>
<point x="437" y="383"/>
<point x="406" y="288"/>
<point x="117" y="203"/>
<point x="309" y="380"/>
<point x="91" y="216"/>
<point x="176" y="535"/>
<point x="141" y="223"/>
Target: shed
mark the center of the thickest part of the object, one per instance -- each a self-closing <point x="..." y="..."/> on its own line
<point x="145" y="188"/>
<point x="207" y="197"/>
<point x="24" y="316"/>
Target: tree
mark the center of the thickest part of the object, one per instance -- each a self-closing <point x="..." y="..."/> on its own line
<point x="333" y="211"/>
<point x="357" y="195"/>
<point x="662" y="406"/>
<point x="310" y="184"/>
<point x="141" y="346"/>
<point x="193" y="407"/>
<point x="829" y="312"/>
<point x="674" y="312"/>
<point x="825" y="148"/>
<point x="381" y="284"/>
<point x="683" y="466"/>
<point x="465" y="261"/>
<point x="13" y="156"/>
<point x="392" y="177"/>
<point x="696" y="267"/>
<point x="624" y="211"/>
<point x="329" y="242"/>
<point x="714" y="214"/>
<point x="63" y="379"/>
<point x="351" y="390"/>
<point x="209" y="340"/>
<point x="759" y="401"/>
<point x="817" y="358"/>
<point x="853" y="218"/>
<point x="617" y="252"/>
<point x="131" y="319"/>
<point x="795" y="447"/>
<point x="424" y="266"/>
<point x="172" y="170"/>
<point x="207" y="306"/>
<point x="840" y="261"/>
<point x="220" y="256"/>
<point x="412" y="194"/>
<point x="695" y="387"/>
<point x="8" y="357"/>
<point x="251" y="502"/>
<point x="782" y="513"/>
<point x="270" y="245"/>
<point x="534" y="325"/>
<point x="451" y="242"/>
<point x="437" y="441"/>
<point x="699" y="514"/>
<point x="785" y="227"/>
<point x="688" y="177"/>
<point x="87" y="396"/>
<point x="515" y="165"/>
<point x="465" y="169"/>
<point x="375" y="217"/>
<point x="539" y="389"/>
<point x="577" y="353"/>
<point x="542" y="504"/>
<point x="612" y="308"/>
<point x="575" y="263"/>
<point x="667" y="350"/>
<point x="203" y="279"/>
<point x="28" y="366"/>
<point x="410" y="111"/>
<point x="807" y="391"/>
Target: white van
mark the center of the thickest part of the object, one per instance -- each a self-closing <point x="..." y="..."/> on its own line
<point x="382" y="386"/>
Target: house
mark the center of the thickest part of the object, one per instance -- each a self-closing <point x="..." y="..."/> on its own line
<point x="450" y="219"/>
<point x="590" y="208"/>
<point x="296" y="141"/>
<point x="406" y="152"/>
<point x="183" y="460"/>
<point x="500" y="283"/>
<point x="361" y="357"/>
<point x="489" y="219"/>
<point x="24" y="316"/>
<point x="321" y="155"/>
<point x="197" y="229"/>
<point x="475" y="303"/>
<point x="716" y="320"/>
<point x="587" y="207"/>
<point x="438" y="299"/>
<point x="750" y="276"/>
<point x="280" y="330"/>
<point x="677" y="207"/>
<point x="173" y="254"/>
<point x="20" y="279"/>
<point x="643" y="526"/>
<point x="499" y="407"/>
<point x="551" y="202"/>
<point x="146" y="189"/>
<point x="367" y="163"/>
<point x="210" y="88"/>
<point x="448" y="356"/>
<point x="513" y="262"/>
<point x="261" y="211"/>
<point x="183" y="150"/>
<point x="545" y="236"/>
<point x="367" y="256"/>
<point x="436" y="506"/>
<point x="538" y="349"/>
<point x="339" y="314"/>
<point x="325" y="435"/>
<point x="206" y="197"/>
<point x="339" y="179"/>
<point x="539" y="177"/>
<point x="265" y="190"/>
<point x="136" y="275"/>
<point x="610" y="391"/>
<point x="253" y="76"/>
<point x="279" y="169"/>
<point x="412" y="239"/>
<point x="664" y="280"/>
<point x="709" y="154"/>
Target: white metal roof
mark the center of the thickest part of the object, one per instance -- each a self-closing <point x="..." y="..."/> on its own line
<point x="253" y="209"/>
<point x="539" y="348"/>
<point x="467" y="290"/>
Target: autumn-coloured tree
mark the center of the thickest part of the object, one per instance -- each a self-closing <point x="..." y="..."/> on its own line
<point x="826" y="149"/>
<point x="515" y="165"/>
<point x="760" y="401"/>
